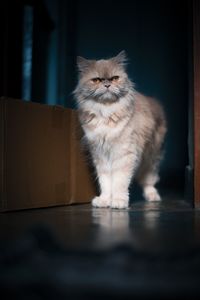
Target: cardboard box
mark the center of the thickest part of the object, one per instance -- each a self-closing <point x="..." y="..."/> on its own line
<point x="41" y="162"/>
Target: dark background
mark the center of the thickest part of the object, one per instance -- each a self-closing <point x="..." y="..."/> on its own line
<point x="41" y="39"/>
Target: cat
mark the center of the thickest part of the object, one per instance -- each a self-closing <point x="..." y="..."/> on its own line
<point x="124" y="130"/>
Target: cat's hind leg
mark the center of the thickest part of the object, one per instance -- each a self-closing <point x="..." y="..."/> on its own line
<point x="147" y="178"/>
<point x="150" y="193"/>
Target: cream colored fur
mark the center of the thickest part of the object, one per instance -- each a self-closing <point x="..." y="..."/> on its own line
<point x="123" y="129"/>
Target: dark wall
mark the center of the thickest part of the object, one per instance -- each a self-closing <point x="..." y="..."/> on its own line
<point x="11" y="48"/>
<point x="153" y="33"/>
<point x="155" y="37"/>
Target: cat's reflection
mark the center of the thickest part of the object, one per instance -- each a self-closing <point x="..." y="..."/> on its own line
<point x="139" y="227"/>
<point x="151" y="220"/>
<point x="148" y="231"/>
<point x="113" y="227"/>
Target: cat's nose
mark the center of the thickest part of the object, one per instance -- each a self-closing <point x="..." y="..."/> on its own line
<point x="107" y="85"/>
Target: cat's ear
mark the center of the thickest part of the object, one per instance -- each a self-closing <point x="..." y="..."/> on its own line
<point x="83" y="63"/>
<point x="121" y="58"/>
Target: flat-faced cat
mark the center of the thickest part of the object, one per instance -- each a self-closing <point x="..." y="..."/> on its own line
<point x="124" y="130"/>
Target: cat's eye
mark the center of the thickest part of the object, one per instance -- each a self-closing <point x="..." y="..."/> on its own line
<point x="96" y="80"/>
<point x="114" y="78"/>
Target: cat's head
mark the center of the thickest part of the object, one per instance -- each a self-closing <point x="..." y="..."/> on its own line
<point x="104" y="80"/>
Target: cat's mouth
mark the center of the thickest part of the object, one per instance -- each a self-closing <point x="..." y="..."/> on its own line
<point x="108" y="96"/>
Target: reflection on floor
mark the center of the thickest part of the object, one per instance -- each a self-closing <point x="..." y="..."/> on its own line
<point x="166" y="226"/>
<point x="150" y="251"/>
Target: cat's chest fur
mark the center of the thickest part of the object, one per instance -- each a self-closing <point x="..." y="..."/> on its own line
<point x="103" y="122"/>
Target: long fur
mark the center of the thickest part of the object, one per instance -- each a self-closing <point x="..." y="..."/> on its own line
<point x="124" y="129"/>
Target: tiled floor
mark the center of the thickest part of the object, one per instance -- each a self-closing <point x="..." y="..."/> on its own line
<point x="171" y="225"/>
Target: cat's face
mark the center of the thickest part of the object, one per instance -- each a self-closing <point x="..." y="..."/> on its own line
<point x="103" y="80"/>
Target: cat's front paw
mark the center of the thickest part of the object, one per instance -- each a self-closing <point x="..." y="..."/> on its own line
<point x="101" y="202"/>
<point x="119" y="203"/>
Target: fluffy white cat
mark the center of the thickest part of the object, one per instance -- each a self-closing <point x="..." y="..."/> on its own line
<point x="124" y="130"/>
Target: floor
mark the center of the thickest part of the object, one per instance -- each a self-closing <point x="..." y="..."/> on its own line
<point x="150" y="251"/>
<point x="171" y="225"/>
